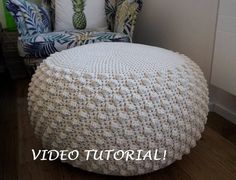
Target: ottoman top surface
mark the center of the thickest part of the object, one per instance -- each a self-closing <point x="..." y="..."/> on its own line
<point x="115" y="58"/>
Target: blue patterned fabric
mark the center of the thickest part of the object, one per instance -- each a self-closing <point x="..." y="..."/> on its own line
<point x="42" y="45"/>
<point x="36" y="18"/>
<point x="18" y="16"/>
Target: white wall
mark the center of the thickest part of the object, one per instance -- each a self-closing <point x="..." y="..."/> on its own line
<point x="189" y="27"/>
<point x="223" y="90"/>
<point x="224" y="62"/>
<point x="186" y="26"/>
<point x="223" y="103"/>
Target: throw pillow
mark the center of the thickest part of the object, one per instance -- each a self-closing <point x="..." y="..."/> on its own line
<point x="80" y="14"/>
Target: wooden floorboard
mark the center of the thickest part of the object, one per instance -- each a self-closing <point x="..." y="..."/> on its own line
<point x="8" y="130"/>
<point x="214" y="157"/>
<point x="224" y="128"/>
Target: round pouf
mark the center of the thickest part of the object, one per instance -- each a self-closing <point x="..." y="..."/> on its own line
<point x="119" y="96"/>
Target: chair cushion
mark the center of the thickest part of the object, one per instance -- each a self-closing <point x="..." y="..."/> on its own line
<point x="42" y="45"/>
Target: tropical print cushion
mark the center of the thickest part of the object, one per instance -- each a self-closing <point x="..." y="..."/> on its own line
<point x="42" y="45"/>
<point x="126" y="16"/>
<point x="80" y="14"/>
<point x="36" y="18"/>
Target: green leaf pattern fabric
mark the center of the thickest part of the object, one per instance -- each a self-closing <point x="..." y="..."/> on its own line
<point x="110" y="11"/>
<point x="126" y="16"/>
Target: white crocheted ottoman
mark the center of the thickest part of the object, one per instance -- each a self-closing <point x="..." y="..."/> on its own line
<point x="119" y="96"/>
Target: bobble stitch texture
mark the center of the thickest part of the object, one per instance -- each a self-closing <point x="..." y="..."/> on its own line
<point x="119" y="96"/>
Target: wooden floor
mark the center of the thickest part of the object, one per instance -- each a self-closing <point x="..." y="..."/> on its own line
<point x="213" y="158"/>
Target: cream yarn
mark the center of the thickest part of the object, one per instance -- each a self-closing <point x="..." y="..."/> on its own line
<point x="119" y="96"/>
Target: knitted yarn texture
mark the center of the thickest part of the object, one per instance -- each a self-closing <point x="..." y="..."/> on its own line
<point x="119" y="96"/>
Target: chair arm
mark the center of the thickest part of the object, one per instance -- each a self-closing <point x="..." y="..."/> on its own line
<point x="126" y="16"/>
<point x="30" y="18"/>
<point x="18" y="17"/>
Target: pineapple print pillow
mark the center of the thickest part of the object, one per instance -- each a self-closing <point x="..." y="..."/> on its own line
<point x="80" y="14"/>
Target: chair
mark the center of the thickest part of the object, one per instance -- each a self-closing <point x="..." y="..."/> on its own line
<point x="36" y="42"/>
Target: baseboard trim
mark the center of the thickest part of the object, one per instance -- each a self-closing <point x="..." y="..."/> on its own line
<point x="224" y="112"/>
<point x="211" y="107"/>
